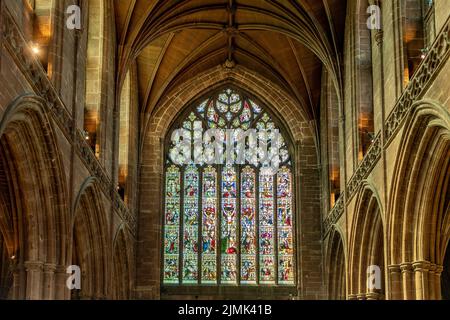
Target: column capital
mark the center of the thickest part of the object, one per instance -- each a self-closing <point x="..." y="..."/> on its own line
<point x="60" y="269"/>
<point x="394" y="268"/>
<point x="421" y="265"/>
<point x="49" y="267"/>
<point x="361" y="296"/>
<point x="438" y="269"/>
<point x="373" y="296"/>
<point x="406" y="267"/>
<point x="33" y="265"/>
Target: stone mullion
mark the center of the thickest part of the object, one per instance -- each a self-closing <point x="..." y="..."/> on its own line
<point x="257" y="212"/>
<point x="238" y="206"/>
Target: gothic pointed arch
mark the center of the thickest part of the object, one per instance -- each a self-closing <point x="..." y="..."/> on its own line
<point x="336" y="266"/>
<point x="158" y="127"/>
<point x="366" y="248"/>
<point x="90" y="249"/>
<point x="419" y="202"/>
<point x="34" y="195"/>
<point x="123" y="264"/>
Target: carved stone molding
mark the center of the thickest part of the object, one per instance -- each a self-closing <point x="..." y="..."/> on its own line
<point x="428" y="69"/>
<point x="438" y="54"/>
<point x="16" y="45"/>
<point x="366" y="166"/>
<point x="334" y="216"/>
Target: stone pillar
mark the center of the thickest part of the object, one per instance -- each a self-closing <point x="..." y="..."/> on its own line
<point x="395" y="282"/>
<point x="34" y="280"/>
<point x="61" y="290"/>
<point x="49" y="282"/>
<point x="407" y="281"/>
<point x="437" y="282"/>
<point x="421" y="269"/>
<point x="431" y="283"/>
<point x="19" y="280"/>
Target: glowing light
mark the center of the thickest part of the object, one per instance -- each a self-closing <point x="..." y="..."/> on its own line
<point x="35" y="49"/>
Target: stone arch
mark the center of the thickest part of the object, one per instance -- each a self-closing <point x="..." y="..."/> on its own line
<point x="419" y="203"/>
<point x="34" y="197"/>
<point x="90" y="247"/>
<point x="123" y="253"/>
<point x="128" y="138"/>
<point x="301" y="132"/>
<point x="366" y="247"/>
<point x="336" y="266"/>
<point x="331" y="135"/>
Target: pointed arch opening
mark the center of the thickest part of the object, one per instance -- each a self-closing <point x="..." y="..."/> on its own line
<point x="90" y="250"/>
<point x="337" y="282"/>
<point x="229" y="222"/>
<point x="419" y="32"/>
<point x="366" y="257"/>
<point x="419" y="202"/>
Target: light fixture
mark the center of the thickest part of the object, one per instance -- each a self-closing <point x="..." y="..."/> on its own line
<point x="424" y="53"/>
<point x="13" y="257"/>
<point x="86" y="135"/>
<point x="35" y="49"/>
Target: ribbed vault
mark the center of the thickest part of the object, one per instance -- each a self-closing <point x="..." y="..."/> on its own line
<point x="288" y="42"/>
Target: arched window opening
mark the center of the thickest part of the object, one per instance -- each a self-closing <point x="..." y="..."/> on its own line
<point x="416" y="35"/>
<point x="365" y="112"/>
<point x="94" y="74"/>
<point x="124" y="134"/>
<point x="337" y="279"/>
<point x="330" y="136"/>
<point x="429" y="22"/>
<point x="232" y="222"/>
<point x="128" y="127"/>
<point x="38" y="14"/>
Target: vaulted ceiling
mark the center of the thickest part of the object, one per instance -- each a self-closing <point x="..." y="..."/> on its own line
<point x="286" y="41"/>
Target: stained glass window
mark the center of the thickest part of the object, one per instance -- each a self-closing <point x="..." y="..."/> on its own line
<point x="229" y="219"/>
<point x="190" y="224"/>
<point x="209" y="226"/>
<point x="172" y="226"/>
